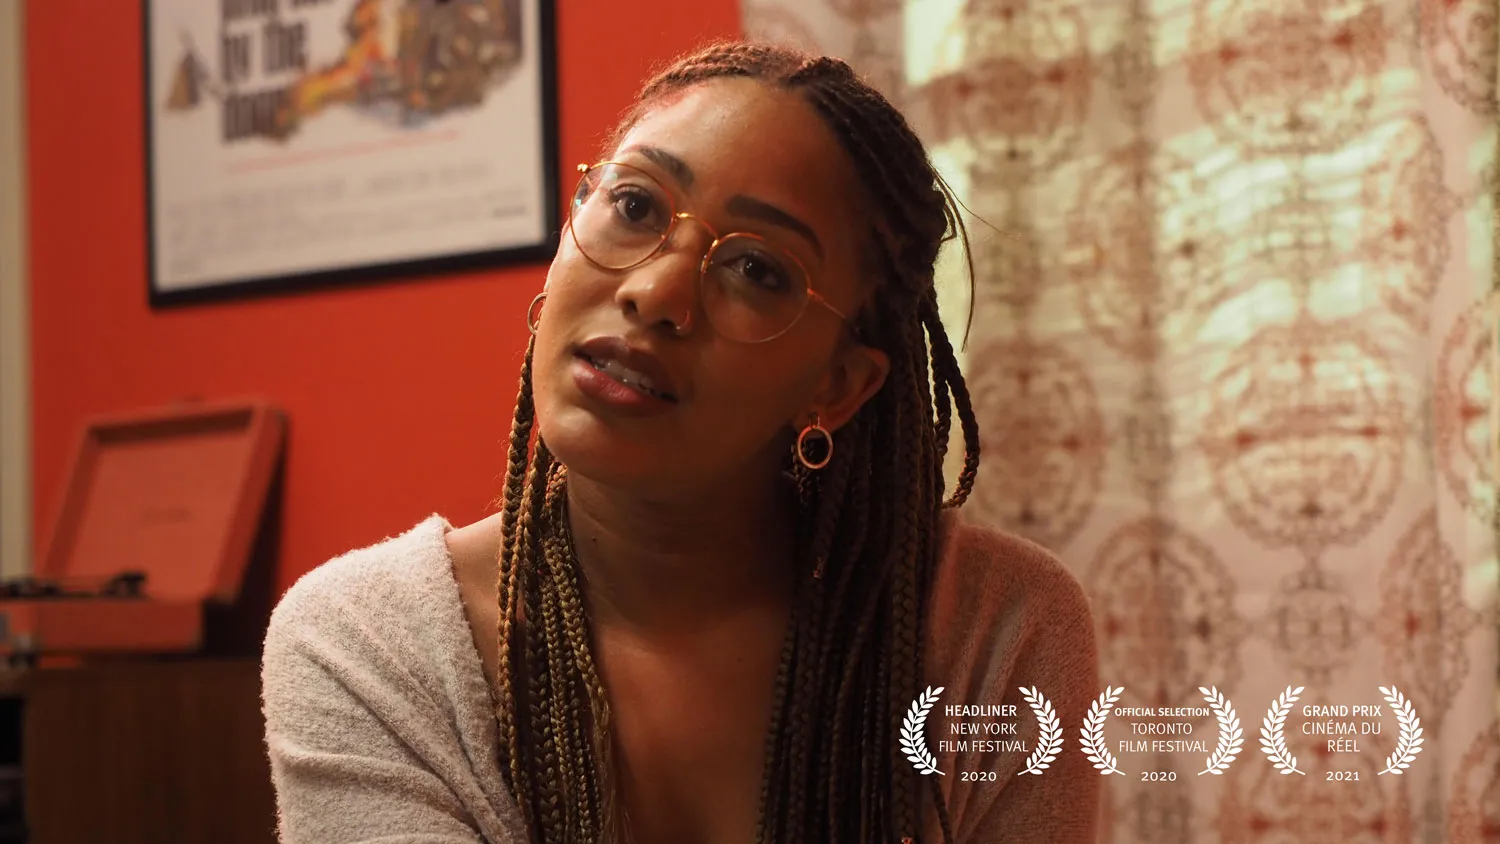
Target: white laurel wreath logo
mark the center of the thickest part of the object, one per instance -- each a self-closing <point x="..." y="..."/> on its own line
<point x="1049" y="739"/>
<point x="912" y="739"/>
<point x="1231" y="737"/>
<point x="1272" y="735"/>
<point x="1092" y="734"/>
<point x="1409" y="742"/>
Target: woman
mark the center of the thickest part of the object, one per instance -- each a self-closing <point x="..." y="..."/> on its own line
<point x="723" y="573"/>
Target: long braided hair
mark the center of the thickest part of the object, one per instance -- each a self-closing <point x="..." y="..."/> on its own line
<point x="868" y="526"/>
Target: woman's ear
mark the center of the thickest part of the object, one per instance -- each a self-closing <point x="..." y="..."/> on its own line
<point x="857" y="374"/>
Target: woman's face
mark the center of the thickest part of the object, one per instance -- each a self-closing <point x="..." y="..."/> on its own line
<point x="741" y="157"/>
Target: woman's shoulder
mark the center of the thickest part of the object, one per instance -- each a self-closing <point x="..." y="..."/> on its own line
<point x="1002" y="606"/>
<point x="387" y="624"/>
<point x="390" y="585"/>
<point x="368" y="662"/>
<point x="1008" y="625"/>
<point x="982" y="566"/>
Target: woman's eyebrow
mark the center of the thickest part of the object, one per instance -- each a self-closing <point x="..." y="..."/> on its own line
<point x="666" y="161"/>
<point x="765" y="212"/>
<point x="739" y="204"/>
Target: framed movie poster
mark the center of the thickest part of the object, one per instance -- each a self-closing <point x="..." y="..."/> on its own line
<point x="299" y="142"/>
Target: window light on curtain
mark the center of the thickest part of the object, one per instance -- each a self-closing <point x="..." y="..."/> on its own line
<point x="1232" y="358"/>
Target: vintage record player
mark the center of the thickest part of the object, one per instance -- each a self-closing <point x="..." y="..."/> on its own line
<point x="163" y="515"/>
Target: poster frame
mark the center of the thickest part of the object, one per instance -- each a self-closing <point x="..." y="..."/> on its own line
<point x="251" y="284"/>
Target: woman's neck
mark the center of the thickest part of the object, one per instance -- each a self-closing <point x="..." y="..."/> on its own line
<point x="672" y="564"/>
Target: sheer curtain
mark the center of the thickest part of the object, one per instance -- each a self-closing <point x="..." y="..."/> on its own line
<point x="1233" y="358"/>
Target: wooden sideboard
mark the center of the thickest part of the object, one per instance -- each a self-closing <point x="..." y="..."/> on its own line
<point x="147" y="751"/>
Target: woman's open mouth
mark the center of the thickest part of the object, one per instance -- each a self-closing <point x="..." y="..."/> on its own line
<point x="627" y="376"/>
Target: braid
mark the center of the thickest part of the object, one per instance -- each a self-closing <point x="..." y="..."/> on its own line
<point x="770" y="796"/>
<point x="586" y="678"/>
<point x="539" y="664"/>
<point x="818" y="645"/>
<point x="868" y="524"/>
<point x="942" y="401"/>
<point x="560" y="737"/>
<point x="904" y="634"/>
<point x="520" y="437"/>
<point x="947" y="373"/>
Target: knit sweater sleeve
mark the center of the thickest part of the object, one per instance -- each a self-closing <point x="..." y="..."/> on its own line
<point x="376" y="714"/>
<point x="1005" y="614"/>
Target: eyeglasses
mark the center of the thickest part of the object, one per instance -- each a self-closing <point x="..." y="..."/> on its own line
<point x="753" y="291"/>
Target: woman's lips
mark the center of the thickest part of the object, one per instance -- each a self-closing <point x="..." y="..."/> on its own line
<point x="631" y="365"/>
<point x="625" y="375"/>
<point x="605" y="388"/>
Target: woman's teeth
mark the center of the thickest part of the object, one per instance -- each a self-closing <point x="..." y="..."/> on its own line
<point x="624" y="375"/>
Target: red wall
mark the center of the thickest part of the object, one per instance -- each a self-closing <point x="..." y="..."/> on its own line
<point x="399" y="394"/>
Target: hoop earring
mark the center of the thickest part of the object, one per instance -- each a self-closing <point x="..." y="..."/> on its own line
<point x="801" y="449"/>
<point x="532" y="317"/>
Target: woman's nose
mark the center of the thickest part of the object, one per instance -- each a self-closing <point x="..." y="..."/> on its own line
<point x="664" y="290"/>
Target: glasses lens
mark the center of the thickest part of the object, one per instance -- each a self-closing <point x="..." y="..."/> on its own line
<point x="620" y="215"/>
<point x="753" y="291"/>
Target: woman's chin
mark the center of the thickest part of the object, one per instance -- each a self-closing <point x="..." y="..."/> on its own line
<point x="591" y="449"/>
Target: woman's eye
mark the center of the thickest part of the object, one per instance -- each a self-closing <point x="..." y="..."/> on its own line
<point x="760" y="271"/>
<point x="635" y="206"/>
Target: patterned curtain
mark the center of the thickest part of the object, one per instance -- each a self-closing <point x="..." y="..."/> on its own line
<point x="1233" y="351"/>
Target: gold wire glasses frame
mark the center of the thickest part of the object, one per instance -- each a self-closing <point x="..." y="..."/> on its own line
<point x="642" y="249"/>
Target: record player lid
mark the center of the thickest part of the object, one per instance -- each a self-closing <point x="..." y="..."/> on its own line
<point x="175" y="493"/>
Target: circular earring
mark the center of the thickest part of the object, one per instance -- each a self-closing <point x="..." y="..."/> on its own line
<point x="821" y="450"/>
<point x="532" y="317"/>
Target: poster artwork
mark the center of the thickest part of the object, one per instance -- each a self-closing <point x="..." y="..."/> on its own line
<point x="296" y="137"/>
